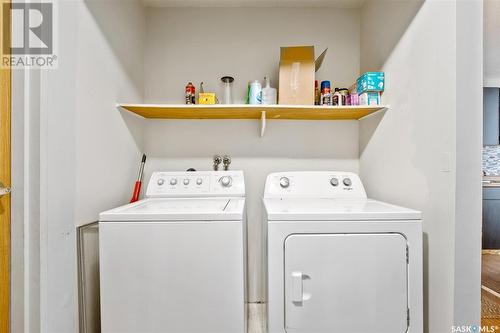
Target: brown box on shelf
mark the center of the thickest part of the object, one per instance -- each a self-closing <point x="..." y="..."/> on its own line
<point x="297" y="75"/>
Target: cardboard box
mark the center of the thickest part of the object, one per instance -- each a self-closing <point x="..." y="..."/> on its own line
<point x="297" y="75"/>
<point x="371" y="81"/>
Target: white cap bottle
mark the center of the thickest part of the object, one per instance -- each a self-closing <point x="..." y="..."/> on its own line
<point x="269" y="95"/>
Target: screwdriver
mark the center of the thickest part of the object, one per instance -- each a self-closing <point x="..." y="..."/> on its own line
<point x="138" y="183"/>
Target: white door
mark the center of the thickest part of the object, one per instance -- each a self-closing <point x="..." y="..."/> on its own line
<point x="346" y="283"/>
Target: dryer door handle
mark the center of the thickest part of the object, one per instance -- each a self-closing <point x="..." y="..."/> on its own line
<point x="297" y="287"/>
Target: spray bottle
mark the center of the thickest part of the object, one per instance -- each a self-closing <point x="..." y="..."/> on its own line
<point x="269" y="95"/>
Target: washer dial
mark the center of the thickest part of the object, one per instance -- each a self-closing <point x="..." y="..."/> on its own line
<point x="226" y="181"/>
<point x="284" y="182"/>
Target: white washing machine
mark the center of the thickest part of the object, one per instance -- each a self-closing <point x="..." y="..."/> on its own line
<point x="337" y="261"/>
<point x="174" y="262"/>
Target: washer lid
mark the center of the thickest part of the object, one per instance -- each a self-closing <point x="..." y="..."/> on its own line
<point x="308" y="209"/>
<point x="178" y="209"/>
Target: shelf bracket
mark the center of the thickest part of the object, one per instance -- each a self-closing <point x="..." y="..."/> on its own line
<point x="262" y="123"/>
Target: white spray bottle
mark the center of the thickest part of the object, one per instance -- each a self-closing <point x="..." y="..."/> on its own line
<point x="269" y="95"/>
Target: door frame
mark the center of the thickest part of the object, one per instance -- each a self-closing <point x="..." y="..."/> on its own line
<point x="5" y="178"/>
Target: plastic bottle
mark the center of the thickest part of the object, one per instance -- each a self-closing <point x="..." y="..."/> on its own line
<point x="190" y="93"/>
<point x="255" y="95"/>
<point x="326" y="94"/>
<point x="269" y="94"/>
<point x="228" y="90"/>
<point x="337" y="97"/>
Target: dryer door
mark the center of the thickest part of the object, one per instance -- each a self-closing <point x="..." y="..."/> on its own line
<point x="341" y="283"/>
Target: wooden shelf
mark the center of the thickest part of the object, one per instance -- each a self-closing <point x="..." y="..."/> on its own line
<point x="245" y="111"/>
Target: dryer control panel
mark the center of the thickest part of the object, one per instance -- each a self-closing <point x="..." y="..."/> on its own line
<point x="196" y="184"/>
<point x="314" y="184"/>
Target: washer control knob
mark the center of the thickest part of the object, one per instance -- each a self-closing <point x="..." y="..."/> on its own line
<point x="334" y="182"/>
<point x="284" y="182"/>
<point x="173" y="181"/>
<point x="160" y="182"/>
<point x="186" y="181"/>
<point x="199" y="181"/>
<point x="226" y="181"/>
<point x="347" y="181"/>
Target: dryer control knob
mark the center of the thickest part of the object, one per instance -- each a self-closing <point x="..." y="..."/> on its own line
<point x="199" y="181"/>
<point x="186" y="181"/>
<point x="226" y="181"/>
<point x="284" y="182"/>
<point x="334" y="182"/>
<point x="347" y="181"/>
<point x="173" y="181"/>
<point x="160" y="181"/>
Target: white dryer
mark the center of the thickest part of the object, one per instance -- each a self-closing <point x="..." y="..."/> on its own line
<point x="174" y="262"/>
<point x="337" y="261"/>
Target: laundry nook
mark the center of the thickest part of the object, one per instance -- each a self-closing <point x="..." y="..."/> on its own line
<point x="232" y="166"/>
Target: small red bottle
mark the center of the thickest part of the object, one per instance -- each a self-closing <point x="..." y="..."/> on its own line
<point x="190" y="93"/>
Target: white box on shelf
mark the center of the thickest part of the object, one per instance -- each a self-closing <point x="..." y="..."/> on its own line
<point x="370" y="98"/>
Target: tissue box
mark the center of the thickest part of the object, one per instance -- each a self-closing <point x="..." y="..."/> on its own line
<point x="371" y="81"/>
<point x="370" y="98"/>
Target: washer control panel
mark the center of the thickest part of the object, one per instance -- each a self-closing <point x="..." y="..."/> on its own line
<point x="315" y="184"/>
<point x="196" y="184"/>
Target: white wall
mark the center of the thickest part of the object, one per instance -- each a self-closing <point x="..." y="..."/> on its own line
<point x="491" y="43"/>
<point x="203" y="45"/>
<point x="108" y="142"/>
<point x="413" y="156"/>
<point x="17" y="204"/>
<point x="468" y="193"/>
<point x="25" y="221"/>
<point x="402" y="159"/>
<point x="89" y="151"/>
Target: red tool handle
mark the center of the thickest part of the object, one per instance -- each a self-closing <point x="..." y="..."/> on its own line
<point x="137" y="191"/>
